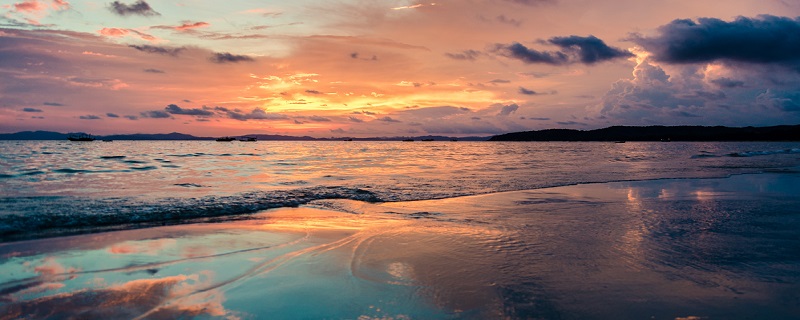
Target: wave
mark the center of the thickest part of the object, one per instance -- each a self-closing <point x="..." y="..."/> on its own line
<point x="763" y="153"/>
<point x="747" y="153"/>
<point x="73" y="215"/>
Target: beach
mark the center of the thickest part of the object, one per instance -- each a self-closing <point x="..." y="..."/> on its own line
<point x="719" y="248"/>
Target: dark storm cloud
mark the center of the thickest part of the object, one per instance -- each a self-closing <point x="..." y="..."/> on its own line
<point x="159" y="50"/>
<point x="574" y="49"/>
<point x="31" y="110"/>
<point x="589" y="49"/>
<point x="53" y="104"/>
<point x="465" y="55"/>
<point x="89" y="117"/>
<point x="520" y="52"/>
<point x="154" y="114"/>
<point x="524" y="91"/>
<point x="140" y="8"/>
<point x="224" y="57"/>
<point x="765" y="39"/>
<point x="175" y="109"/>
<point x="112" y="115"/>
<point x="727" y="83"/>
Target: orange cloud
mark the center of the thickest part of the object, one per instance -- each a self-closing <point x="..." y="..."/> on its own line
<point x="188" y="26"/>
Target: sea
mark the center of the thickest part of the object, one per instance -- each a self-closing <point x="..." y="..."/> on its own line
<point x="399" y="230"/>
<point x="56" y="187"/>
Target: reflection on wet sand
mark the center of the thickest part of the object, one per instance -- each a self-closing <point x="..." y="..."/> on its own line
<point x="717" y="248"/>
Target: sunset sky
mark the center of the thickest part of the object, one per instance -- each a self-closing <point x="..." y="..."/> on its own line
<point x="365" y="68"/>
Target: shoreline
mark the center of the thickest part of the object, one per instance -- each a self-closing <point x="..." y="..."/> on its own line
<point x="654" y="248"/>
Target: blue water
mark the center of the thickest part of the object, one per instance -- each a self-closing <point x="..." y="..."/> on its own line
<point x="48" y="187"/>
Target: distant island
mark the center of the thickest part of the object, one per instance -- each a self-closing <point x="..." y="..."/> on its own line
<point x="50" y="135"/>
<point x="659" y="133"/>
<point x="615" y="133"/>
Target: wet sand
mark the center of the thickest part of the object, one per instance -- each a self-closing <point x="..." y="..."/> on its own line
<point x="664" y="249"/>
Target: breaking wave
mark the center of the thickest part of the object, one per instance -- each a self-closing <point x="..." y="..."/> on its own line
<point x="69" y="215"/>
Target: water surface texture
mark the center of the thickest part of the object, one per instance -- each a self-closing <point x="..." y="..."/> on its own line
<point x="61" y="186"/>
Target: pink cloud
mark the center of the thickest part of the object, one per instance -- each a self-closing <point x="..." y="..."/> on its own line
<point x="114" y="32"/>
<point x="118" y="32"/>
<point x="30" y="6"/>
<point x="60" y="4"/>
<point x="188" y="26"/>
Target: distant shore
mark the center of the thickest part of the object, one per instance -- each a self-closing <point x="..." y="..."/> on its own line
<point x="659" y="133"/>
<point x="614" y="133"/>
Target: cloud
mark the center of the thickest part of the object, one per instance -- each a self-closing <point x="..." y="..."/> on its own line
<point x="728" y="83"/>
<point x="255" y="114"/>
<point x="313" y="92"/>
<point x="30" y="6"/>
<point x="765" y="39"/>
<point x="589" y="49"/>
<point x="574" y="49"/>
<point x="112" y="115"/>
<point x="156" y="114"/>
<point x="470" y="55"/>
<point x="140" y="8"/>
<point x="224" y="57"/>
<point x="175" y="109"/>
<point x="571" y="123"/>
<point x="150" y="70"/>
<point x="520" y="52"/>
<point x="505" y="20"/>
<point x="388" y="119"/>
<point x="31" y="110"/>
<point x="158" y="50"/>
<point x="354" y="119"/>
<point x="496" y="81"/>
<point x="664" y="93"/>
<point x="53" y="104"/>
<point x="524" y="91"/>
<point x="118" y="32"/>
<point x="319" y="119"/>
<point x="508" y="109"/>
<point x="186" y="26"/>
<point x="89" y="117"/>
<point x="130" y="117"/>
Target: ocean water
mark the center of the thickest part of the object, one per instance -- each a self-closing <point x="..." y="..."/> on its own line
<point x="56" y="187"/>
<point x="394" y="230"/>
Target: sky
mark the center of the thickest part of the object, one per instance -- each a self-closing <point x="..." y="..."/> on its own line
<point x="368" y="68"/>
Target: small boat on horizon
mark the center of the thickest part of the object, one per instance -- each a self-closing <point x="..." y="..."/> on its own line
<point x="225" y="139"/>
<point x="80" y="137"/>
<point x="248" y="139"/>
<point x="408" y="140"/>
